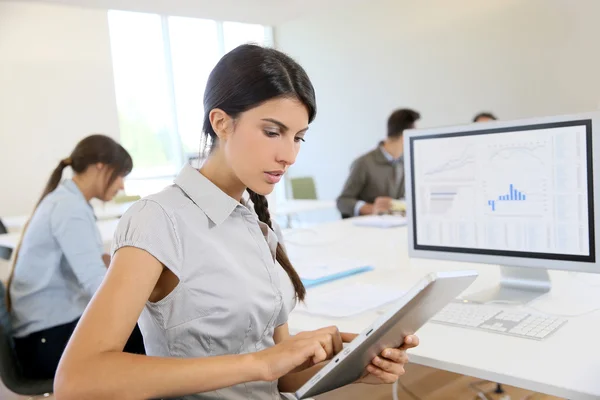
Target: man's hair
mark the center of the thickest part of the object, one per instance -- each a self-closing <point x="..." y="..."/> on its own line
<point x="400" y="120"/>
<point x="484" y="115"/>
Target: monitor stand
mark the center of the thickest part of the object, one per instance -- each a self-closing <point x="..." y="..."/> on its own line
<point x="517" y="286"/>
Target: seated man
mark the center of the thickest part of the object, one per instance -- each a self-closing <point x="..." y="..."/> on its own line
<point x="376" y="178"/>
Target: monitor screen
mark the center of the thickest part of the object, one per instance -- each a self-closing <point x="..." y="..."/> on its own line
<point x="524" y="191"/>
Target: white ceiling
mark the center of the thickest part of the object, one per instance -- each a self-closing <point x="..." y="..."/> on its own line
<point x="268" y="12"/>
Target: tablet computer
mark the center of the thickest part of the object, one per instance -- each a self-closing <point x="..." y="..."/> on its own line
<point x="405" y="317"/>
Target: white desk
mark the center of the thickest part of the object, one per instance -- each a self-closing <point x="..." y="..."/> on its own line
<point x="107" y="229"/>
<point x="290" y="207"/>
<point x="108" y="218"/>
<point x="567" y="364"/>
<point x="14" y="223"/>
<point x="102" y="211"/>
<point x="111" y="210"/>
<point x="9" y="240"/>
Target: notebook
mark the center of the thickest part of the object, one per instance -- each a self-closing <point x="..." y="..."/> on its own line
<point x="313" y="274"/>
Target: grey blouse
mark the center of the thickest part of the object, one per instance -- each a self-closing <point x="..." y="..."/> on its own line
<point x="231" y="295"/>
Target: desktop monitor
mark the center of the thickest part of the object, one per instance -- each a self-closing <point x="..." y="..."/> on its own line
<point x="518" y="194"/>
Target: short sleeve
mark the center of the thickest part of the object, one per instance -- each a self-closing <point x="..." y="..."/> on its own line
<point x="147" y="226"/>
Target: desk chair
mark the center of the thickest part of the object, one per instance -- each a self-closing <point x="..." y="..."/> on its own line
<point x="10" y="371"/>
<point x="5" y="252"/>
<point x="303" y="188"/>
<point x="126" y="199"/>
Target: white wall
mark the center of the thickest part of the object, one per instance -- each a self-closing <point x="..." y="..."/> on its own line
<point x="447" y="59"/>
<point x="265" y="12"/>
<point x="56" y="87"/>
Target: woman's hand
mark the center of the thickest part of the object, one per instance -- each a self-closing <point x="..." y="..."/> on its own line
<point x="299" y="352"/>
<point x="389" y="365"/>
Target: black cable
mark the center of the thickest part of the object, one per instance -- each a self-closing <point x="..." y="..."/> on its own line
<point x="499" y="389"/>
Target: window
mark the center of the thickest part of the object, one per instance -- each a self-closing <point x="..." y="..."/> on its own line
<point x="161" y="65"/>
<point x="195" y="50"/>
<point x="142" y="90"/>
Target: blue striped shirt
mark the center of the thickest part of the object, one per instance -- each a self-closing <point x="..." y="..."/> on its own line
<point x="59" y="266"/>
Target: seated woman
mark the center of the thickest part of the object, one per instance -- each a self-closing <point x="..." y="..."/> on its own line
<point x="60" y="262"/>
<point x="205" y="271"/>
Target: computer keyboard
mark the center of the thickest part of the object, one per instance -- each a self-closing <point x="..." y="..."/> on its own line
<point x="493" y="318"/>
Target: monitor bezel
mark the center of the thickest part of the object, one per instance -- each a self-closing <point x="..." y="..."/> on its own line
<point x="582" y="263"/>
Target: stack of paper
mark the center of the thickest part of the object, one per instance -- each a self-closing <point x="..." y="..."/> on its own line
<point x="380" y="221"/>
<point x="399" y="205"/>
<point x="348" y="300"/>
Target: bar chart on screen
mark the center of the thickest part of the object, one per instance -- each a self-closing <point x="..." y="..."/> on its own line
<point x="509" y="199"/>
<point x="513" y="195"/>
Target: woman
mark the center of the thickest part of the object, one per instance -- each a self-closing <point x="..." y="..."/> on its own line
<point x="59" y="263"/>
<point x="210" y="277"/>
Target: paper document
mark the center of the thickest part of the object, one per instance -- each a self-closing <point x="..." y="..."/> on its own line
<point x="322" y="269"/>
<point x="315" y="273"/>
<point x="381" y="221"/>
<point x="348" y="300"/>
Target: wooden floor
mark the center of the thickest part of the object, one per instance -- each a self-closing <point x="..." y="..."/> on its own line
<point x="431" y="384"/>
<point x="424" y="383"/>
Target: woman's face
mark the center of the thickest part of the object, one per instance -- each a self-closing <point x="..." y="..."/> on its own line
<point x="265" y="141"/>
<point x="107" y="193"/>
<point x="114" y="188"/>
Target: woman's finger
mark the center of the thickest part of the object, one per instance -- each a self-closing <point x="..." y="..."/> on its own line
<point x="382" y="375"/>
<point x="348" y="337"/>
<point x="396" y="355"/>
<point x="409" y="342"/>
<point x="389" y="366"/>
<point x="326" y="341"/>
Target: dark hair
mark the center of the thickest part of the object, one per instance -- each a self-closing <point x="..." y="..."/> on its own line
<point x="484" y="115"/>
<point x="90" y="150"/>
<point x="243" y="79"/>
<point x="400" y="120"/>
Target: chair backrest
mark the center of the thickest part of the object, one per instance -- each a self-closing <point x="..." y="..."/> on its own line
<point x="5" y="252"/>
<point x="9" y="368"/>
<point x="10" y="371"/>
<point x="4" y="314"/>
<point x="303" y="188"/>
<point x="126" y="199"/>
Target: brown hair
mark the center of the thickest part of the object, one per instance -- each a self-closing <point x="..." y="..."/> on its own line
<point x="261" y="207"/>
<point x="401" y="120"/>
<point x="484" y="115"/>
<point x="244" y="78"/>
<point x="90" y="150"/>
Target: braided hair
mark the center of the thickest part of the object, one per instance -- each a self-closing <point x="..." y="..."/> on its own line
<point x="261" y="207"/>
